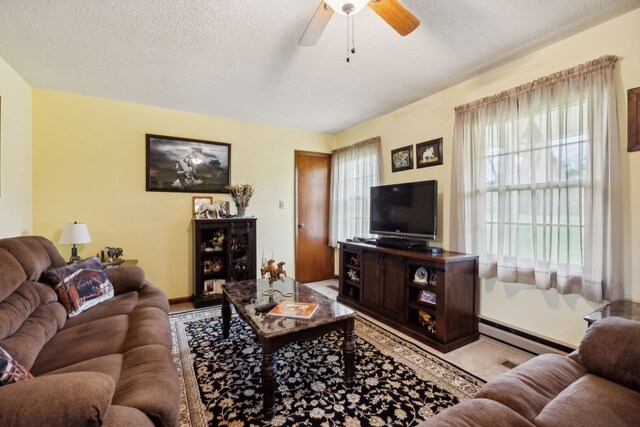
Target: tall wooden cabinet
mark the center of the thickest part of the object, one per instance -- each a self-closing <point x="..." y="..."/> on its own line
<point x="224" y="251"/>
<point x="429" y="297"/>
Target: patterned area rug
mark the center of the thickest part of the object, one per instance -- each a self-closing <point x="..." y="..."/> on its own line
<point x="396" y="382"/>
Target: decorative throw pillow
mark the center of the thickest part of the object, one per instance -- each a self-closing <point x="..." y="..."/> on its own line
<point x="80" y="286"/>
<point x="10" y="370"/>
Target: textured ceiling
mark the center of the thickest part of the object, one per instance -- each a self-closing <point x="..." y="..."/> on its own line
<point x="240" y="59"/>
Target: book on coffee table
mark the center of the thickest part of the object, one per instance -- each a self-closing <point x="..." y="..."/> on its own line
<point x="299" y="310"/>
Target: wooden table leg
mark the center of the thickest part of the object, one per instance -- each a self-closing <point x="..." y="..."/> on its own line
<point x="268" y="384"/>
<point x="226" y="316"/>
<point x="349" y="352"/>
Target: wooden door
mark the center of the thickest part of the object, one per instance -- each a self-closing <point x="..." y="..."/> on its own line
<point x="392" y="287"/>
<point x="314" y="256"/>
<point x="370" y="281"/>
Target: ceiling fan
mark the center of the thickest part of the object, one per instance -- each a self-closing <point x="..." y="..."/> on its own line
<point x="390" y="10"/>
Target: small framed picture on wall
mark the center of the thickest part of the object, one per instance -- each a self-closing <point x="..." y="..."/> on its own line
<point x="429" y="153"/>
<point x="402" y="159"/>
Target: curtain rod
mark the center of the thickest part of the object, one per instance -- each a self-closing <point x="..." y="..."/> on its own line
<point x="586" y="68"/>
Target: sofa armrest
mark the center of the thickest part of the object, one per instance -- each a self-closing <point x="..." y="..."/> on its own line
<point x="125" y="279"/>
<point x="70" y="399"/>
<point x="610" y="349"/>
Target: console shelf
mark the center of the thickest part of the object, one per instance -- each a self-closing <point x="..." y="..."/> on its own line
<point x="439" y="309"/>
<point x="225" y="251"/>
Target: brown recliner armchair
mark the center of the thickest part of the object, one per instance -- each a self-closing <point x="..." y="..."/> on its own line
<point x="598" y="385"/>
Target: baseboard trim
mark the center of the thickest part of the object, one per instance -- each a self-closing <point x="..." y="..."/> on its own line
<point x="520" y="339"/>
<point x="180" y="300"/>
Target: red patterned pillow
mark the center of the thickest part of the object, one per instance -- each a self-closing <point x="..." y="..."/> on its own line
<point x="81" y="285"/>
<point x="10" y="370"/>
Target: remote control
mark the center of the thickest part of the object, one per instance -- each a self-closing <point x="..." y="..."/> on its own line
<point x="265" y="307"/>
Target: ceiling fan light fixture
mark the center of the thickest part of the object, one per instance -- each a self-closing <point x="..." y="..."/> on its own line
<point x="346" y="7"/>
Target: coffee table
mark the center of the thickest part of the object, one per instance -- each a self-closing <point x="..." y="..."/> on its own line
<point x="274" y="332"/>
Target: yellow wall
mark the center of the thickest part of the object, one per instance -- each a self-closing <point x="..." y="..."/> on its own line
<point x="15" y="153"/>
<point x="544" y="313"/>
<point x="89" y="165"/>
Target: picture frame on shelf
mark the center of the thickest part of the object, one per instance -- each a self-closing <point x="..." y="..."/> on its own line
<point x="201" y="207"/>
<point x="217" y="285"/>
<point x="223" y="208"/>
<point x="208" y="287"/>
<point x="427" y="297"/>
<point x="402" y="159"/>
<point x="633" y="118"/>
<point x="187" y="165"/>
<point x="429" y="153"/>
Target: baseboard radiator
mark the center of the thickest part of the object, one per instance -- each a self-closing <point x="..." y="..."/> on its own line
<point x="523" y="340"/>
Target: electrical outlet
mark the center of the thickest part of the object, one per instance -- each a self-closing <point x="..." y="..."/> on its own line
<point x="281" y="204"/>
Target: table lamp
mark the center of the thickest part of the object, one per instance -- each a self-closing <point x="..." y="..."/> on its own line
<point x="74" y="234"/>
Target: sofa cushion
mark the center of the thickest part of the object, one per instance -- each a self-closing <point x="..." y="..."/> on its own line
<point x="36" y="330"/>
<point x="528" y="388"/>
<point x="34" y="254"/>
<point x="84" y="289"/>
<point x="22" y="303"/>
<point x="592" y="400"/>
<point x="149" y="382"/>
<point x="125" y="279"/>
<point x="73" y="399"/>
<point x="10" y="370"/>
<point x="477" y="413"/>
<point x="85" y="341"/>
<point x="611" y="348"/>
<point x="12" y="274"/>
<point x="119" y="416"/>
<point x="80" y="286"/>
<point x="110" y="365"/>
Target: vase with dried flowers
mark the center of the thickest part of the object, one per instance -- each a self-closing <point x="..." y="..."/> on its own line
<point x="241" y="194"/>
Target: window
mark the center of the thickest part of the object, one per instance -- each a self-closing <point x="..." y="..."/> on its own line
<point x="354" y="170"/>
<point x="537" y="176"/>
<point x="536" y="186"/>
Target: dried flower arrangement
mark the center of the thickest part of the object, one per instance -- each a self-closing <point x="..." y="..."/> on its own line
<point x="241" y="194"/>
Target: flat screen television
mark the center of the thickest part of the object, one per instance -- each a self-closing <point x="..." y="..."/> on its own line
<point x="407" y="210"/>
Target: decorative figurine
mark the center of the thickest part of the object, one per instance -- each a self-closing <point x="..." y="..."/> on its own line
<point x="113" y="253"/>
<point x="217" y="240"/>
<point x="353" y="275"/>
<point x="207" y="211"/>
<point x="275" y="273"/>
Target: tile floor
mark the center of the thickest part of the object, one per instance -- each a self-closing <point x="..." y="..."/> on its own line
<point x="481" y="358"/>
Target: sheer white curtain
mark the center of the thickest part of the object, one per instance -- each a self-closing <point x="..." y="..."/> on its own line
<point x="354" y="170"/>
<point x="536" y="184"/>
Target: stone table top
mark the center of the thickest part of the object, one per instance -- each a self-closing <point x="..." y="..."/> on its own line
<point x="248" y="294"/>
<point x="620" y="308"/>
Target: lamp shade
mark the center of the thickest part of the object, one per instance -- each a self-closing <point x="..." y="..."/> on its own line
<point x="353" y="6"/>
<point x="75" y="233"/>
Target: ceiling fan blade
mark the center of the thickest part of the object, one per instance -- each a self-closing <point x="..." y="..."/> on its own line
<point x="316" y="26"/>
<point x="395" y="15"/>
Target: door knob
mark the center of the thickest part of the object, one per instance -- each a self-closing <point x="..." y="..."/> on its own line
<point x="301" y="225"/>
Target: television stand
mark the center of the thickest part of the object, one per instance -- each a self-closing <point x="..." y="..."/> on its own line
<point x="430" y="298"/>
<point x="401" y="243"/>
<point x="431" y="250"/>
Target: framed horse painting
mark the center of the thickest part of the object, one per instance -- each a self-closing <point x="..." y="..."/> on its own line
<point x="187" y="165"/>
<point x="429" y="153"/>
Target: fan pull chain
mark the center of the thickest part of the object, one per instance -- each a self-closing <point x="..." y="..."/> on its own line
<point x="348" y="54"/>
<point x="353" y="34"/>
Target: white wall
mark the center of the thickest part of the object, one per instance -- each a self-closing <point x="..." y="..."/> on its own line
<point x="15" y="154"/>
<point x="546" y="313"/>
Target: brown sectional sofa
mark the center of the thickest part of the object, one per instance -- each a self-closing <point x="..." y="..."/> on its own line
<point x="596" y="386"/>
<point x="111" y="365"/>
